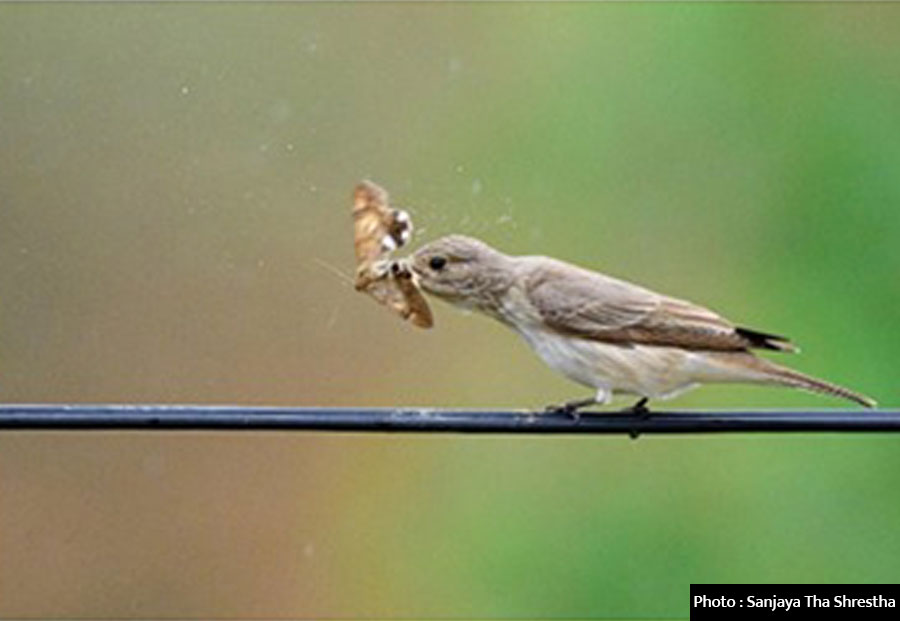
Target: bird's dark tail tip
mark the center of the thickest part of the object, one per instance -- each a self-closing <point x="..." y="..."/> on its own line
<point x="764" y="340"/>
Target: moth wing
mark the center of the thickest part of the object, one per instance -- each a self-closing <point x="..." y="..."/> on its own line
<point x="378" y="231"/>
<point x="391" y="283"/>
<point x="419" y="313"/>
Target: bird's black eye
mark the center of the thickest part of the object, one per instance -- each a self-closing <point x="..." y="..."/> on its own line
<point x="437" y="263"/>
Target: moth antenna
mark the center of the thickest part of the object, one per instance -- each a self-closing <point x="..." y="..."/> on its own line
<point x="334" y="270"/>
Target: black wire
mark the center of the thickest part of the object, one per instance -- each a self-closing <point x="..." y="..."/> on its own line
<point x="156" y="417"/>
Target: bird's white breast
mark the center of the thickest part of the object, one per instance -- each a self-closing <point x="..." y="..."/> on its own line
<point x="655" y="372"/>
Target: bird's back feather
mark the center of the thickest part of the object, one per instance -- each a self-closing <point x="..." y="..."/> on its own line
<point x="579" y="302"/>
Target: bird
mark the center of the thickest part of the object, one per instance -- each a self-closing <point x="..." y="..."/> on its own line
<point x="610" y="335"/>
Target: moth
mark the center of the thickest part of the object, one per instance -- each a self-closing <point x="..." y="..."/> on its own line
<point x="379" y="230"/>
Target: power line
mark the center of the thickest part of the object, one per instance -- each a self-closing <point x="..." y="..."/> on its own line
<point x="161" y="417"/>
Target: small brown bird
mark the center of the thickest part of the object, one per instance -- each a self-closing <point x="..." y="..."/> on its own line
<point x="611" y="335"/>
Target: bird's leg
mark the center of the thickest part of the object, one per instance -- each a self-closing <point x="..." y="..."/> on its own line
<point x="570" y="408"/>
<point x="640" y="411"/>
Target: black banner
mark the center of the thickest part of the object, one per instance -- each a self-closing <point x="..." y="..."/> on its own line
<point x="793" y="601"/>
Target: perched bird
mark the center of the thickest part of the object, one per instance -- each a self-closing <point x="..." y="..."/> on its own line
<point x="605" y="333"/>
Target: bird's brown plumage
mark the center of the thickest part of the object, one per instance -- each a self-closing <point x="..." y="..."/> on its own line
<point x="594" y="306"/>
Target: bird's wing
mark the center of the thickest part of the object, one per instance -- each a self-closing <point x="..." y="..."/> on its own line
<point x="582" y="303"/>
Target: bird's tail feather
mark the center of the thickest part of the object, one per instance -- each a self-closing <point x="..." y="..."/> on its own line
<point x="788" y="377"/>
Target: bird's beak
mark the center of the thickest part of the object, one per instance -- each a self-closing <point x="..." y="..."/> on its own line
<point x="413" y="266"/>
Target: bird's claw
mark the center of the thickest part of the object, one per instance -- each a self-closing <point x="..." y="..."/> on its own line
<point x="566" y="409"/>
<point x="639" y="409"/>
<point x="641" y="412"/>
<point x="570" y="408"/>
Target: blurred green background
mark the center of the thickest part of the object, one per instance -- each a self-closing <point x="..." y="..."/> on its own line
<point x="175" y="187"/>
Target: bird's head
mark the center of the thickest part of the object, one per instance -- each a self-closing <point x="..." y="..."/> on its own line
<point x="463" y="271"/>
